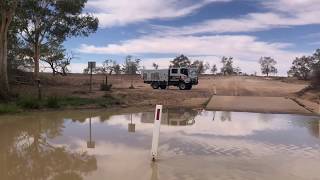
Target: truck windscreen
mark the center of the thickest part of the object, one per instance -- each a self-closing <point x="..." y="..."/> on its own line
<point x="184" y="71"/>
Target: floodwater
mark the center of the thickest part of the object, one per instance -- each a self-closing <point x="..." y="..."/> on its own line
<point x="75" y="145"/>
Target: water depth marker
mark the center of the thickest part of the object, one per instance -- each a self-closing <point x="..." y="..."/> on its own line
<point x="156" y="132"/>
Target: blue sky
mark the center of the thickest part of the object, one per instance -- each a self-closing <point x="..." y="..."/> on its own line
<point x="159" y="30"/>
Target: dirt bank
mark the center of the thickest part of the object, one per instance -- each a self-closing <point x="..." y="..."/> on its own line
<point x="144" y="95"/>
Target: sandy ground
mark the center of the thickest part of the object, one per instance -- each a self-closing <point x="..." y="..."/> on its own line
<point x="144" y="95"/>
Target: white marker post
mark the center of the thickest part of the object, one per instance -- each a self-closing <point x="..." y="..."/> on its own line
<point x="156" y="132"/>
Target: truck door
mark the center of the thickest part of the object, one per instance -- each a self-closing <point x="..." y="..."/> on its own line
<point x="174" y="74"/>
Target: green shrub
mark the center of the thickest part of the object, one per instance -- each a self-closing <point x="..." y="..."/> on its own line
<point x="29" y="103"/>
<point x="52" y="102"/>
<point x="8" y="108"/>
<point x="76" y="101"/>
<point x="110" y="100"/>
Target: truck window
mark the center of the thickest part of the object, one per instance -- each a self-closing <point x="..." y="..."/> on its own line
<point x="174" y="71"/>
<point x="184" y="71"/>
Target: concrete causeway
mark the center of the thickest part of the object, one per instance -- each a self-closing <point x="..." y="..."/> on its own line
<point x="255" y="104"/>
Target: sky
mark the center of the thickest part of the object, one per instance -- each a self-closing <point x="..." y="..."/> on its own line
<point x="159" y="30"/>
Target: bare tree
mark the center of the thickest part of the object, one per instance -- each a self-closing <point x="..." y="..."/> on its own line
<point x="268" y="65"/>
<point x="214" y="69"/>
<point x="131" y="67"/>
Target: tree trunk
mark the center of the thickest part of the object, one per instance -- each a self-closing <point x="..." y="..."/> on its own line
<point x="6" y="18"/>
<point x="36" y="61"/>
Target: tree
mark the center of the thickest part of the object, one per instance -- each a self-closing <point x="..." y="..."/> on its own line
<point x="117" y="68"/>
<point x="302" y="67"/>
<point x="214" y="69"/>
<point x="268" y="65"/>
<point x="315" y="81"/>
<point x="7" y="12"/>
<point x="181" y="61"/>
<point x="44" y="21"/>
<point x="52" y="54"/>
<point x="107" y="66"/>
<point x="227" y="65"/>
<point x="155" y="66"/>
<point x="201" y="67"/>
<point x="63" y="66"/>
<point x="131" y="66"/>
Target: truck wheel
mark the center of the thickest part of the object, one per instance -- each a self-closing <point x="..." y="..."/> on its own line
<point x="182" y="86"/>
<point x="189" y="87"/>
<point x="155" y="85"/>
<point x="163" y="86"/>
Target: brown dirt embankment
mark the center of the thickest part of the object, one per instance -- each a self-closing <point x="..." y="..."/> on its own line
<point x="144" y="95"/>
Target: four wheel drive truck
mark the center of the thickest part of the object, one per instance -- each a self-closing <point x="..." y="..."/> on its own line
<point x="184" y="78"/>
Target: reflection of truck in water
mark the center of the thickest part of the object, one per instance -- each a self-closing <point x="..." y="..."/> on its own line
<point x="172" y="117"/>
<point x="184" y="78"/>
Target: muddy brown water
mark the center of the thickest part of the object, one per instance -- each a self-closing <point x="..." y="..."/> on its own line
<point x="75" y="145"/>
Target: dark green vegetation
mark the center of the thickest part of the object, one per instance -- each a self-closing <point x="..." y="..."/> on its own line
<point x="9" y="108"/>
<point x="29" y="103"/>
<point x="307" y="67"/>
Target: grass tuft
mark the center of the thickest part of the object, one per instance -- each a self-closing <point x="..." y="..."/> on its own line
<point x="29" y="103"/>
<point x="53" y="102"/>
<point x="8" y="108"/>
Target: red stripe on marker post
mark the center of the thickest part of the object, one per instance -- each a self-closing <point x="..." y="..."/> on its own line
<point x="156" y="131"/>
<point x="158" y="114"/>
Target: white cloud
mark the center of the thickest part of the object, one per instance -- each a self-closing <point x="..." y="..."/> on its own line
<point x="123" y="12"/>
<point x="293" y="5"/>
<point x="245" y="49"/>
<point x="242" y="45"/>
<point x="281" y="13"/>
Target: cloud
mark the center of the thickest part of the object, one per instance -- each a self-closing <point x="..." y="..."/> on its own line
<point x="292" y="6"/>
<point x="246" y="49"/>
<point x="123" y="12"/>
<point x="242" y="45"/>
<point x="280" y="14"/>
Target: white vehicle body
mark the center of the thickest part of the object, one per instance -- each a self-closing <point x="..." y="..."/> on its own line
<point x="184" y="78"/>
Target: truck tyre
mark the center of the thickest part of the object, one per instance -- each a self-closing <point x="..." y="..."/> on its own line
<point x="163" y="86"/>
<point x="182" y="86"/>
<point x="189" y="87"/>
<point x="155" y="85"/>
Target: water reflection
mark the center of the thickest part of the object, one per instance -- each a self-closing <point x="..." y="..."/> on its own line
<point x="90" y="144"/>
<point x="131" y="126"/>
<point x="26" y="152"/>
<point x="172" y="117"/>
<point x="193" y="145"/>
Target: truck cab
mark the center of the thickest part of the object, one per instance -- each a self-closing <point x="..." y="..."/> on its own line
<point x="182" y="77"/>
